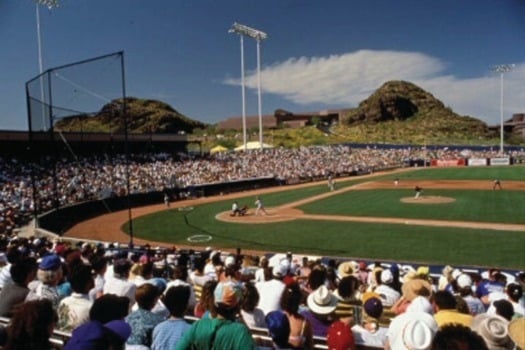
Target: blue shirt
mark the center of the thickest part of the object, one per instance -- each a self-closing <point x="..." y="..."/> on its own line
<point x="168" y="333"/>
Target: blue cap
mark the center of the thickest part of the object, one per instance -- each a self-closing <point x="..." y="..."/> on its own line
<point x="50" y="262"/>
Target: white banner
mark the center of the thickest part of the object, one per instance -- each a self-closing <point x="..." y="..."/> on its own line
<point x="499" y="161"/>
<point x="477" y="162"/>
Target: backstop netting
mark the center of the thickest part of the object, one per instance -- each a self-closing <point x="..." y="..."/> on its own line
<point x="72" y="109"/>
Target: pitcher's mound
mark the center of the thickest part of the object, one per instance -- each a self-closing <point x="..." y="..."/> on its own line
<point x="428" y="200"/>
<point x="274" y="215"/>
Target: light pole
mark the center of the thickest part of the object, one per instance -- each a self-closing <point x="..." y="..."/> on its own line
<point x="259" y="36"/>
<point x="50" y="4"/>
<point x="502" y="69"/>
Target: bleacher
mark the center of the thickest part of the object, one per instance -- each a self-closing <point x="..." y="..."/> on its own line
<point x="260" y="335"/>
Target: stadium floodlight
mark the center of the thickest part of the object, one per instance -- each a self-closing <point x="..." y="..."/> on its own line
<point x="502" y="69"/>
<point x="50" y="4"/>
<point x="258" y="35"/>
<point x="248" y="31"/>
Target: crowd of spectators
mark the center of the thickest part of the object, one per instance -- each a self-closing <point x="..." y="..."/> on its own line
<point x="108" y="297"/>
<point x="75" y="179"/>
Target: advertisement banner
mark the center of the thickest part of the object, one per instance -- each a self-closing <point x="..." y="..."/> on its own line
<point x="499" y="161"/>
<point x="448" y="162"/>
<point x="477" y="162"/>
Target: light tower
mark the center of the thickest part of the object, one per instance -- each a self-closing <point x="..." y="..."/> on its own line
<point x="259" y="36"/>
<point x="502" y="69"/>
<point x="50" y="4"/>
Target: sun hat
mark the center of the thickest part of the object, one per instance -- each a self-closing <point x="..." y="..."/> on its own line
<point x="494" y="330"/>
<point x="464" y="281"/>
<point x="423" y="271"/>
<point x="412" y="330"/>
<point x="321" y="301"/>
<point x="373" y="307"/>
<point x="387" y="276"/>
<point x="456" y="273"/>
<point x="340" y="337"/>
<point x="345" y="269"/>
<point x="416" y="287"/>
<point x="228" y="294"/>
<point x="517" y="331"/>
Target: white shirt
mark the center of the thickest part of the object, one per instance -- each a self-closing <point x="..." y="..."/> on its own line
<point x="269" y="295"/>
<point x="122" y="288"/>
<point x="73" y="311"/>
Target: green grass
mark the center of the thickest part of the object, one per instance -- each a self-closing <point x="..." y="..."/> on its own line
<point x="432" y="245"/>
<point x="470" y="205"/>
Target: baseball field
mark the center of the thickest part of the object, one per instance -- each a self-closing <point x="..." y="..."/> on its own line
<point x="459" y="219"/>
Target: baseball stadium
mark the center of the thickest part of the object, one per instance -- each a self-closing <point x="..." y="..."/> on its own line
<point x="362" y="232"/>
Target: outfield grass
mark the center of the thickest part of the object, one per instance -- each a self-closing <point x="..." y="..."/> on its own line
<point x="433" y="245"/>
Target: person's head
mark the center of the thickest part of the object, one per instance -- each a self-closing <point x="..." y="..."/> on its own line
<point x="31" y="325"/>
<point x="24" y="271"/>
<point x="444" y="300"/>
<point x="455" y="336"/>
<point x="109" y="307"/>
<point x="180" y="273"/>
<point x="207" y="300"/>
<point x="250" y="297"/>
<point x="81" y="279"/>
<point x="50" y="270"/>
<point x="121" y="268"/>
<point x="99" y="264"/>
<point x="494" y="330"/>
<point x="227" y="298"/>
<point x="147" y="296"/>
<point x="291" y="298"/>
<point x="176" y="300"/>
<point x="347" y="287"/>
<point x="504" y="308"/>
<point x="94" y="335"/>
<point x="317" y="277"/>
<point x="515" y="292"/>
<point x="278" y="327"/>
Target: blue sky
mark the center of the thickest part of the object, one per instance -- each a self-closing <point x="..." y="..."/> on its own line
<point x="318" y="55"/>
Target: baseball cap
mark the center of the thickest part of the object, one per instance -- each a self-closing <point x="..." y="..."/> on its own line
<point x="228" y="293"/>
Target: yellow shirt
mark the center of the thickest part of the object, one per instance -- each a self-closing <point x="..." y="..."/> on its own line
<point x="444" y="317"/>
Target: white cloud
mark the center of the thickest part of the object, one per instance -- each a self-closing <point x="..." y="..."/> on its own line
<point x="345" y="80"/>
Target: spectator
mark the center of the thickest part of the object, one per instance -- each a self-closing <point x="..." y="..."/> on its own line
<point x="457" y="336"/>
<point x="270" y="291"/>
<point x="320" y="313"/>
<point x="389" y="296"/>
<point x="119" y="284"/>
<point x="167" y="334"/>
<point x="94" y="335"/>
<point x="446" y="312"/>
<point x="251" y="315"/>
<point x="493" y="329"/>
<point x="502" y="308"/>
<point x="517" y="332"/>
<point x="22" y="273"/>
<point x="369" y="332"/>
<point x="279" y="329"/>
<point x="143" y="321"/>
<point x="411" y="330"/>
<point x="205" y="307"/>
<point x="475" y="306"/>
<point x="31" y="326"/>
<point x="99" y="264"/>
<point x="340" y="337"/>
<point x="109" y="307"/>
<point x="222" y="332"/>
<point x="49" y="273"/>
<point x="300" y="329"/>
<point x="74" y="310"/>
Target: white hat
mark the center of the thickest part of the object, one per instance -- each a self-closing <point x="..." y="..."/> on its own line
<point x="229" y="261"/>
<point x="456" y="273"/>
<point x="321" y="301"/>
<point x="387" y="276"/>
<point x="464" y="280"/>
<point x="420" y="304"/>
<point x="412" y="330"/>
<point x="494" y="330"/>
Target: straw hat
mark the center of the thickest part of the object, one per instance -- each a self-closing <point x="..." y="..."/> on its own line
<point x="322" y="301"/>
<point x="517" y="332"/>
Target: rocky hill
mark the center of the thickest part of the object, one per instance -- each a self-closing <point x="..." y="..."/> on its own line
<point x="145" y="116"/>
